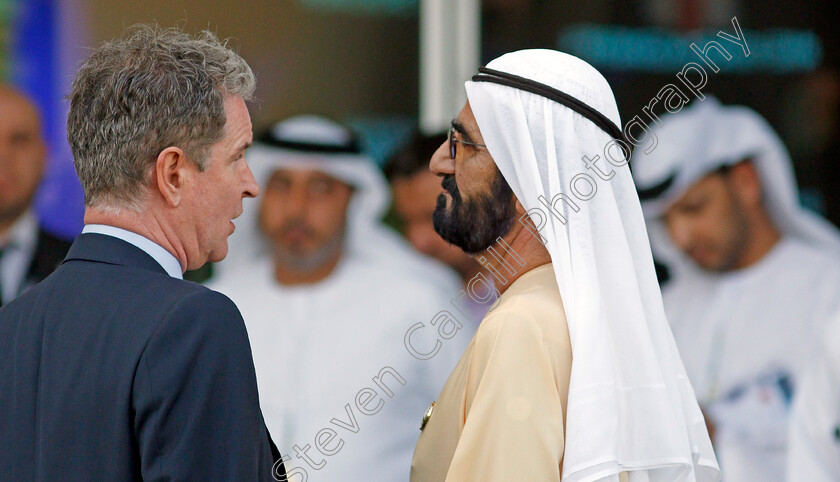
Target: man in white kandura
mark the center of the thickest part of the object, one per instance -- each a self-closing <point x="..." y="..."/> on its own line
<point x="574" y="374"/>
<point x="753" y="275"/>
<point x="814" y="453"/>
<point x="328" y="293"/>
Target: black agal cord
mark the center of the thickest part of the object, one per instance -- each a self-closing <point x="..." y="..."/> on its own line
<point x="534" y="87"/>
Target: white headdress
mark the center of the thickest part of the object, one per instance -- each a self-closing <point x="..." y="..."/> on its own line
<point x="704" y="137"/>
<point x="631" y="406"/>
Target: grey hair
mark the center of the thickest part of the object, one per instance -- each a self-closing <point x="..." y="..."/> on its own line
<point x="136" y="96"/>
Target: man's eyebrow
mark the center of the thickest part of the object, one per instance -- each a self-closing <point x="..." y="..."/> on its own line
<point x="244" y="146"/>
<point x="460" y="129"/>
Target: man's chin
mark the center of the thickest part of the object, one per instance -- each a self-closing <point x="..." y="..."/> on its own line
<point x="710" y="265"/>
<point x="218" y="254"/>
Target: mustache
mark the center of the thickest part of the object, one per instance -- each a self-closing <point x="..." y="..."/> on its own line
<point x="295" y="224"/>
<point x="449" y="185"/>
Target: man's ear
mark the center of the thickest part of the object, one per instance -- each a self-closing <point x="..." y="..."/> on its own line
<point x="745" y="180"/>
<point x="171" y="171"/>
<point x="520" y="209"/>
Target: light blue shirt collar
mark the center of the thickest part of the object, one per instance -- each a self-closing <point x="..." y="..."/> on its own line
<point x="156" y="251"/>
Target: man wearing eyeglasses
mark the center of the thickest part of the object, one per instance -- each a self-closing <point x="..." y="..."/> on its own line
<point x="416" y="191"/>
<point x="572" y="374"/>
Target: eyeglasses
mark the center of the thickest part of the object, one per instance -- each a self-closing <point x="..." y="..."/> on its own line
<point x="452" y="140"/>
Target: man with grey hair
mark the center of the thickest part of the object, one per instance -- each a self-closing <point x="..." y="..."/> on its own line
<point x="114" y="368"/>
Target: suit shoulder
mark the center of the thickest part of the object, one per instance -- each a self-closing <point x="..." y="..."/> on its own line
<point x="216" y="301"/>
<point x="193" y="297"/>
<point x="201" y="323"/>
<point x="201" y="309"/>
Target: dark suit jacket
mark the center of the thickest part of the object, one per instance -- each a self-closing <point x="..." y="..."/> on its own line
<point x="112" y="370"/>
<point x="48" y="254"/>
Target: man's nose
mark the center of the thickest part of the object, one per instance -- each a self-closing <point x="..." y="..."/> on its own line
<point x="251" y="188"/>
<point x="296" y="199"/>
<point x="4" y="150"/>
<point x="441" y="164"/>
<point x="680" y="232"/>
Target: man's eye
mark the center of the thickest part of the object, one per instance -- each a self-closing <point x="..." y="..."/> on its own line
<point x="278" y="184"/>
<point x="320" y="187"/>
<point x="693" y="207"/>
<point x="20" y="139"/>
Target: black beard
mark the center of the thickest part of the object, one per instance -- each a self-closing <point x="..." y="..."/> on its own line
<point x="474" y="226"/>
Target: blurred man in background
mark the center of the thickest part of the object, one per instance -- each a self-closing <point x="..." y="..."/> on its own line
<point x="416" y="195"/>
<point x="754" y="275"/>
<point x="27" y="253"/>
<point x="328" y="293"/>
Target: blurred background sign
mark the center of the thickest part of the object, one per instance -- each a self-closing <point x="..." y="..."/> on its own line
<point x="647" y="49"/>
<point x="362" y="7"/>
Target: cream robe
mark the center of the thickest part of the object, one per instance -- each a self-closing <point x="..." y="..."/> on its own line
<point x="500" y="416"/>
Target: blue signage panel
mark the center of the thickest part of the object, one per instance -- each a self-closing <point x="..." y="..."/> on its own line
<point x="31" y="60"/>
<point x="656" y="50"/>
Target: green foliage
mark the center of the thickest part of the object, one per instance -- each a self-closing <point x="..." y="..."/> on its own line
<point x="6" y="10"/>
